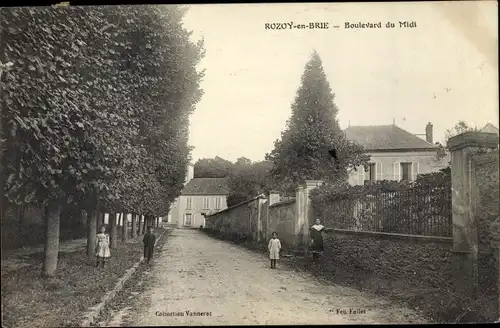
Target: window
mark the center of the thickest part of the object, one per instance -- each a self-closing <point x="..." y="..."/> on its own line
<point x="189" y="219"/>
<point x="372" y="173"/>
<point x="218" y="203"/>
<point x="406" y="171"/>
<point x="188" y="203"/>
<point x="206" y="203"/>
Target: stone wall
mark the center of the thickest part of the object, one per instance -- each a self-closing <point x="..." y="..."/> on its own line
<point x="237" y="222"/>
<point x="256" y="220"/>
<point x="423" y="262"/>
<point x="281" y="217"/>
<point x="486" y="185"/>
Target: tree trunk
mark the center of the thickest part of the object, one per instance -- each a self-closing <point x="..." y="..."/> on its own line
<point x="120" y="227"/>
<point x="83" y="220"/>
<point x="140" y="225"/>
<point x="20" y="218"/>
<point x="91" y="231"/>
<point x="51" y="250"/>
<point x="113" y="232"/>
<point x="134" y="225"/>
<point x="144" y="225"/>
<point x="124" y="228"/>
<point x="99" y="221"/>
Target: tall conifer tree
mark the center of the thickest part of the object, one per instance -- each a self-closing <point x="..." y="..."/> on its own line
<point x="313" y="146"/>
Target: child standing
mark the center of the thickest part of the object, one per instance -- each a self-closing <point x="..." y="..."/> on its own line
<point x="274" y="249"/>
<point x="149" y="244"/>
<point x="102" y="246"/>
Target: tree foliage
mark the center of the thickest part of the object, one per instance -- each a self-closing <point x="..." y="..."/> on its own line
<point x="248" y="180"/>
<point x="100" y="106"/>
<point x="95" y="109"/>
<point x="312" y="134"/>
<point x="216" y="167"/>
<point x="459" y="128"/>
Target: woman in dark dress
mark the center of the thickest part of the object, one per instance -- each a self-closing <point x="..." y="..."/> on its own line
<point x="316" y="234"/>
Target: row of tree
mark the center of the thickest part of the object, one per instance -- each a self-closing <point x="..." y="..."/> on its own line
<point x="116" y="222"/>
<point x="95" y="111"/>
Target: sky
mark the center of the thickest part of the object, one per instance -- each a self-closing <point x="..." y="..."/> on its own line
<point x="443" y="71"/>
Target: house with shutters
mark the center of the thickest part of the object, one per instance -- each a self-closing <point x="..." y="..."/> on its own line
<point x="395" y="154"/>
<point x="199" y="197"/>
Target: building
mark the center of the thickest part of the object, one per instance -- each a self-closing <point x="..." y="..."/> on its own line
<point x="199" y="196"/>
<point x="395" y="154"/>
<point x="489" y="128"/>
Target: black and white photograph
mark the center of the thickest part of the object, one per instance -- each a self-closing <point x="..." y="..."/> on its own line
<point x="249" y="164"/>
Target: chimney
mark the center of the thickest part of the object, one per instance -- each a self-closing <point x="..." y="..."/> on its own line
<point x="274" y="197"/>
<point x="189" y="173"/>
<point x="428" y="133"/>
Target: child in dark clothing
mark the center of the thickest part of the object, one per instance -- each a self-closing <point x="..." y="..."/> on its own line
<point x="149" y="244"/>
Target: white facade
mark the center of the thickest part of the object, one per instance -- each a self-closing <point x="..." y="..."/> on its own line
<point x="398" y="166"/>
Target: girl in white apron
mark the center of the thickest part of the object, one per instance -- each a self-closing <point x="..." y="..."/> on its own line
<point x="274" y="247"/>
<point x="102" y="247"/>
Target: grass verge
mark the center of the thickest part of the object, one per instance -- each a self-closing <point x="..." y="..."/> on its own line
<point x="28" y="300"/>
<point x="128" y="299"/>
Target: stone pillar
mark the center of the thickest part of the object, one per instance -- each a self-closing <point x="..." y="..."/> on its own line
<point x="274" y="197"/>
<point x="260" y="203"/>
<point x="465" y="238"/>
<point x="303" y="212"/>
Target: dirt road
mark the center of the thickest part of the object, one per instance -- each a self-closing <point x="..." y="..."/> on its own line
<point x="198" y="280"/>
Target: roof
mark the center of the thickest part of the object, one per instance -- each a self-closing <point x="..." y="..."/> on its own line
<point x="237" y="205"/>
<point x="386" y="137"/>
<point x="206" y="186"/>
<point x="489" y="128"/>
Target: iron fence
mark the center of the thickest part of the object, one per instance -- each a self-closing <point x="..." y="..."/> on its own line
<point x="419" y="210"/>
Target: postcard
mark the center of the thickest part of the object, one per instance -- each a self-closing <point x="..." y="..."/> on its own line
<point x="250" y="164"/>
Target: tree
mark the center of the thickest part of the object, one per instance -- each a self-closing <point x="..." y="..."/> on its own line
<point x="212" y="168"/>
<point x="46" y="127"/>
<point x="459" y="128"/>
<point x="248" y="179"/>
<point x="312" y="133"/>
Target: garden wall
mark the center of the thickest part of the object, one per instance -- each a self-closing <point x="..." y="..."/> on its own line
<point x="281" y="220"/>
<point x="390" y="257"/>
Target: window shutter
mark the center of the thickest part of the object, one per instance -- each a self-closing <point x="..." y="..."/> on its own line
<point x="380" y="175"/>
<point x="414" y="171"/>
<point x="361" y="174"/>
<point x="397" y="171"/>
